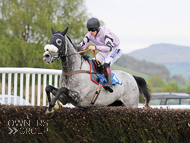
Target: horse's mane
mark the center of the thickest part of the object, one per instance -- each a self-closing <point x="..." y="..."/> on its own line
<point x="86" y="57"/>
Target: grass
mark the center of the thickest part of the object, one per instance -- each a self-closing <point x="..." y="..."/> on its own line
<point x="116" y="67"/>
<point x="182" y="86"/>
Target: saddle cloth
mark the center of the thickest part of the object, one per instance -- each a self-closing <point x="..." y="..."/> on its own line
<point x="100" y="78"/>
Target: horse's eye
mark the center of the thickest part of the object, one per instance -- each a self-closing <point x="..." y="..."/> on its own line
<point x="59" y="42"/>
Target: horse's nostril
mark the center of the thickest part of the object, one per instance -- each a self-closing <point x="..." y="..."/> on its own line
<point x="47" y="56"/>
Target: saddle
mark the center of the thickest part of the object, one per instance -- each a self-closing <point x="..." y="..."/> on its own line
<point x="100" y="77"/>
<point x="98" y="68"/>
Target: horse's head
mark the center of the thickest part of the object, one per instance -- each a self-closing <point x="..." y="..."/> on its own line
<point x="56" y="47"/>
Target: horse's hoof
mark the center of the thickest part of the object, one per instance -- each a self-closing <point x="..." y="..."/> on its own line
<point x="49" y="114"/>
<point x="57" y="107"/>
<point x="147" y="105"/>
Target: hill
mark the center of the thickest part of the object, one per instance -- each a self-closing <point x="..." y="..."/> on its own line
<point x="174" y="57"/>
<point x="142" y="66"/>
<point x="132" y="72"/>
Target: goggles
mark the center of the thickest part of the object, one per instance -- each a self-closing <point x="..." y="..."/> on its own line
<point x="92" y="29"/>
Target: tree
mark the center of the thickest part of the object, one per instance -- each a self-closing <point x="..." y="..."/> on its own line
<point x="188" y="89"/>
<point x="25" y="28"/>
<point x="171" y="87"/>
<point x="178" y="78"/>
<point x="150" y="87"/>
<point x="156" y="81"/>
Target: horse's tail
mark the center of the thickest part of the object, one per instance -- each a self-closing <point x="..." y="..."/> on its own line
<point x="143" y="88"/>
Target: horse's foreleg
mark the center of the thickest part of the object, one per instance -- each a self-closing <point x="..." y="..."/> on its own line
<point x="62" y="90"/>
<point x="51" y="89"/>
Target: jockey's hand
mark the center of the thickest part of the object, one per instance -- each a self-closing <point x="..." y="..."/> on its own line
<point x="92" y="48"/>
<point x="79" y="48"/>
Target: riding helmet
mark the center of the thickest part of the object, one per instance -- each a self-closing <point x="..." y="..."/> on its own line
<point x="93" y="23"/>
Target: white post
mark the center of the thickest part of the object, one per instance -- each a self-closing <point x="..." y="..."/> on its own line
<point x="9" y="88"/>
<point x="15" y="88"/>
<point x="44" y="86"/>
<point x="50" y="83"/>
<point x="39" y="89"/>
<point x="33" y="90"/>
<point x="27" y="88"/>
<point x="55" y="81"/>
<point x="21" y="88"/>
<point x="3" y="88"/>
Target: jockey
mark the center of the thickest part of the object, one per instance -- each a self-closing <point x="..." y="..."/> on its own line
<point x="106" y="42"/>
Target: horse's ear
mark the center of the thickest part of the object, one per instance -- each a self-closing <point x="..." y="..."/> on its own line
<point x="53" y="31"/>
<point x="65" y="31"/>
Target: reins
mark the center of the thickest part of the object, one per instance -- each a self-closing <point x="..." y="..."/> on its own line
<point x="82" y="71"/>
<point x="86" y="51"/>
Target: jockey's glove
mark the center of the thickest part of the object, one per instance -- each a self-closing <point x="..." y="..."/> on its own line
<point x="79" y="48"/>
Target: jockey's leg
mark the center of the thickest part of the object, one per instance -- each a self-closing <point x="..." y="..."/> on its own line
<point x="111" y="57"/>
<point x="109" y="78"/>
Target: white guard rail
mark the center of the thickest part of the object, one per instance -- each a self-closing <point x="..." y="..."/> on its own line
<point x="28" y="78"/>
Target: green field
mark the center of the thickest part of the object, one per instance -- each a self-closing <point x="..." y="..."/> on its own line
<point x="116" y="67"/>
<point x="182" y="86"/>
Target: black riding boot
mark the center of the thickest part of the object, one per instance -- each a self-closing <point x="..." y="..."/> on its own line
<point x="109" y="78"/>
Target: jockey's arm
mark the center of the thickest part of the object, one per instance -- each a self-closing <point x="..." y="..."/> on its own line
<point x="84" y="44"/>
<point x="108" y="45"/>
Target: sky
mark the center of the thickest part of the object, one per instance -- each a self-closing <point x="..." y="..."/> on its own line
<point x="141" y="23"/>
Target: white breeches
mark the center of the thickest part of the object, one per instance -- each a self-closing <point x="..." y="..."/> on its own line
<point x="109" y="57"/>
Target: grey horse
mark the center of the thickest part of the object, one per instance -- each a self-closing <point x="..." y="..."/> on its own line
<point x="77" y="88"/>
